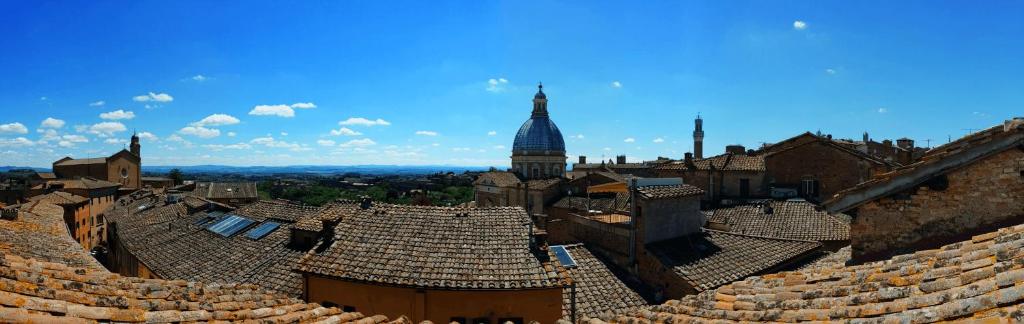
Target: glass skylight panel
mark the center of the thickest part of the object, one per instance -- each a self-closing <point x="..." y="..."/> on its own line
<point x="262" y="230"/>
<point x="229" y="225"/>
<point x="563" y="256"/>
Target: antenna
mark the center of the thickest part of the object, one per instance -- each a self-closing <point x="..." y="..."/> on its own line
<point x="970" y="130"/>
<point x="929" y="141"/>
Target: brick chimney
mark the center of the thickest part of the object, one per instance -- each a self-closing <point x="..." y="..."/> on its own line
<point x="583" y="159"/>
<point x="621" y="159"/>
<point x="905" y="143"/>
<point x="365" y="202"/>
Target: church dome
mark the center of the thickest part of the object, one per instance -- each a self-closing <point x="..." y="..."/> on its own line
<point x="538" y="133"/>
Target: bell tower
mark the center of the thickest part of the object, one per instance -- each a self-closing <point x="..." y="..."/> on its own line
<point x="135" y="148"/>
<point x="698" y="138"/>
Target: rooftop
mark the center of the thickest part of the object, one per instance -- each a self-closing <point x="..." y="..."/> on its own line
<point x="714" y="258"/>
<point x="225" y="190"/>
<point x="981" y="279"/>
<point x="599" y="289"/>
<point x="435" y="247"/>
<point x="798" y="220"/>
<point x="47" y="278"/>
<point x="668" y="191"/>
<point x="727" y="162"/>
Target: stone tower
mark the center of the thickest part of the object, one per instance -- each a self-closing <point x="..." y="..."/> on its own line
<point x="135" y="148"/>
<point x="698" y="138"/>
<point x="539" y="149"/>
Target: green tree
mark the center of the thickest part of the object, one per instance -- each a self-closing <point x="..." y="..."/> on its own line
<point x="176" y="175"/>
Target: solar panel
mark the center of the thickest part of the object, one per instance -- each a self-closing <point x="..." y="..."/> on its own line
<point x="563" y="256"/>
<point x="229" y="225"/>
<point x="262" y="230"/>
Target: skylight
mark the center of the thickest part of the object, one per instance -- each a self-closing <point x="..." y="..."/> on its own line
<point x="229" y="225"/>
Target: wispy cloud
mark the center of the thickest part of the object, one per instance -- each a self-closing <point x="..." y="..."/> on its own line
<point x="117" y="115"/>
<point x="659" y="140"/>
<point x="155" y="97"/>
<point x="97" y="103"/>
<point x="303" y="105"/>
<point x="360" y="121"/>
<point x="148" y="136"/>
<point x="497" y="85"/>
<point x="325" y="142"/>
<point x="217" y="120"/>
<point x="13" y="128"/>
<point x="629" y="140"/>
<point x="51" y="122"/>
<point x="199" y="131"/>
<point x="345" y="131"/>
<point x="273" y="110"/>
<point x="492" y="133"/>
<point x="882" y="110"/>
<point x="616" y="84"/>
<point x="271" y="142"/>
<point x="221" y="147"/>
<point x="15" y="142"/>
<point x="199" y="78"/>
<point x="426" y="133"/>
<point x="830" y="71"/>
<point x="107" y="128"/>
<point x="363" y="142"/>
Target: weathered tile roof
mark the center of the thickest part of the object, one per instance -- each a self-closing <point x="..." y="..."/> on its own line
<point x="668" y="191"/>
<point x="978" y="280"/>
<point x="543" y="183"/>
<point x="714" y="258"/>
<point x="40" y="233"/>
<point x="497" y="178"/>
<point x="935" y="162"/>
<point x="225" y="190"/>
<point x="798" y="220"/>
<point x="436" y="247"/>
<point x="619" y="203"/>
<point x="45" y="277"/>
<point x="86" y="183"/>
<point x="46" y="175"/>
<point x="60" y="198"/>
<point x="599" y="291"/>
<point x="167" y="240"/>
<point x="70" y="161"/>
<point x="727" y="162"/>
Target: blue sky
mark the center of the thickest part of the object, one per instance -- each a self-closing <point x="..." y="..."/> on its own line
<point x="435" y="82"/>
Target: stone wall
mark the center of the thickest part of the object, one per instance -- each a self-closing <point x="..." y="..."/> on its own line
<point x="980" y="196"/>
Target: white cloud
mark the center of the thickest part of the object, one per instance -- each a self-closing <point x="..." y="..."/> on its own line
<point x="114" y="141"/>
<point x="199" y="78"/>
<point x="497" y="85"/>
<point x="48" y="135"/>
<point x="629" y="140"/>
<point x="616" y="84"/>
<point x="117" y="115"/>
<point x="216" y="120"/>
<point x="273" y="110"/>
<point x="157" y="97"/>
<point x="499" y="147"/>
<point x="15" y="142"/>
<point x="363" y="142"/>
<point x="75" y="138"/>
<point x="659" y="140"/>
<point x="199" y="131"/>
<point x="107" y="128"/>
<point x="303" y="105"/>
<point x="799" y="25"/>
<point x="325" y="142"/>
<point x="97" y="103"/>
<point x="461" y="149"/>
<point x="426" y="133"/>
<point x="578" y="136"/>
<point x="269" y="141"/>
<point x="148" y="136"/>
<point x="607" y="149"/>
<point x="175" y="138"/>
<point x="231" y="134"/>
<point x="51" y="122"/>
<point x="345" y="131"/>
<point x="492" y="133"/>
<point x="830" y="71"/>
<point x="65" y="144"/>
<point x="360" y="121"/>
<point x="221" y="147"/>
<point x="882" y="110"/>
<point x="13" y="128"/>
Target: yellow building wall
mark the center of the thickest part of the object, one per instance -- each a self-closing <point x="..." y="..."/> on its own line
<point x="438" y="306"/>
<point x="133" y="172"/>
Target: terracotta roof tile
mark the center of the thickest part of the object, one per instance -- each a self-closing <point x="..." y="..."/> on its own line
<point x="798" y="220"/>
<point x="713" y="258"/>
<point x="497" y="178"/>
<point x="440" y="247"/>
<point x="979" y="280"/>
<point x="599" y="289"/>
<point x="619" y="203"/>
<point x="668" y="191"/>
<point x="225" y="190"/>
<point x="46" y="277"/>
<point x="60" y="198"/>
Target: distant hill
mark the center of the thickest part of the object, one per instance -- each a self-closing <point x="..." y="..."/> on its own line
<point x="315" y="169"/>
<point x="9" y="168"/>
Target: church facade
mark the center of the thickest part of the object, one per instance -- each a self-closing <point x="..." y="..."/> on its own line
<point x="123" y="167"/>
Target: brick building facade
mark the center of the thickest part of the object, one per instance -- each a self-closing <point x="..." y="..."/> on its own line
<point x="816" y="167"/>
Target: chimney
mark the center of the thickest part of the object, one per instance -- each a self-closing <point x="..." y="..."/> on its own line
<point x="905" y="143"/>
<point x="365" y="202"/>
<point x="887" y="143"/>
<point x="583" y="159"/>
<point x="621" y="159"/>
<point x="688" y="157"/>
<point x="768" y="210"/>
<point x="735" y="149"/>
